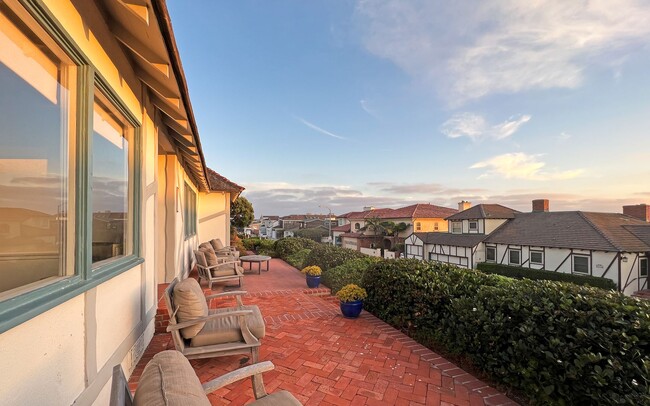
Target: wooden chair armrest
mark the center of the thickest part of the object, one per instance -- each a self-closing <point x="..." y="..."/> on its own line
<point x="226" y="294"/>
<point x="237" y="375"/>
<point x="219" y="315"/>
<point x="225" y="263"/>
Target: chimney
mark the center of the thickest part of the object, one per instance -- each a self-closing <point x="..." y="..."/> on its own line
<point x="368" y="208"/>
<point x="639" y="211"/>
<point x="540" y="205"/>
<point x="464" y="205"/>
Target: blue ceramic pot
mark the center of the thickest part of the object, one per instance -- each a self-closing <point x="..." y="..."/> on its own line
<point x="313" y="281"/>
<point x="352" y="310"/>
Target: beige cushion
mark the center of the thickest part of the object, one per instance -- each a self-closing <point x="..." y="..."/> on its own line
<point x="169" y="379"/>
<point x="226" y="270"/>
<point x="227" y="330"/>
<point x="282" y="398"/>
<point x="210" y="256"/>
<point x="189" y="298"/>
<point x="206" y="245"/>
<point x="216" y="244"/>
<point x="200" y="258"/>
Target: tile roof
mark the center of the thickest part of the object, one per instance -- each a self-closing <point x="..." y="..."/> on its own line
<point x="575" y="229"/>
<point x="420" y="210"/>
<point x="220" y="183"/>
<point x="459" y="240"/>
<point x="307" y="216"/>
<point x="345" y="228"/>
<point x="484" y="211"/>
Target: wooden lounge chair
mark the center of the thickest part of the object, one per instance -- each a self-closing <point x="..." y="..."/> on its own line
<point x="199" y="332"/>
<point x="221" y="270"/>
<point x="219" y="247"/>
<point x="169" y="379"/>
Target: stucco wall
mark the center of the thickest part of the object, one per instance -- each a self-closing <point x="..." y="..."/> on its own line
<point x="214" y="217"/>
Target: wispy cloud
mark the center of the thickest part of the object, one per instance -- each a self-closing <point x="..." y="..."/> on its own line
<point x="475" y="48"/>
<point x="320" y="130"/>
<point x="364" y="106"/>
<point x="519" y="165"/>
<point x="476" y="127"/>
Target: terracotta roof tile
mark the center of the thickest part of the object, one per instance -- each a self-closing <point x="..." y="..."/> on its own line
<point x="220" y="183"/>
<point x="420" y="210"/>
<point x="344" y="228"/>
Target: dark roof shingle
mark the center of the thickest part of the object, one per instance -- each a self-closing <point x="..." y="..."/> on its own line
<point x="484" y="211"/>
<point x="459" y="240"/>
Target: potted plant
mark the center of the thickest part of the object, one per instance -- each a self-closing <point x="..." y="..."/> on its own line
<point x="313" y="273"/>
<point x="351" y="297"/>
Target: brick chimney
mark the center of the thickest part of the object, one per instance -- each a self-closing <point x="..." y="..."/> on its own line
<point x="540" y="205"/>
<point x="464" y="205"/>
<point x="639" y="211"/>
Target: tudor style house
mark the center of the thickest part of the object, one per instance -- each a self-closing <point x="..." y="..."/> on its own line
<point x="105" y="191"/>
<point x="608" y="245"/>
<point x="417" y="217"/>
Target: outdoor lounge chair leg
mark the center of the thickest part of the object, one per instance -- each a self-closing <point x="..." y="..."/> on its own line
<point x="258" y="386"/>
<point x="255" y="355"/>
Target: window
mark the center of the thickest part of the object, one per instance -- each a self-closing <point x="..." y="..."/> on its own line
<point x="456" y="227"/>
<point x="435" y="226"/>
<point x="418" y="226"/>
<point x="514" y="257"/>
<point x="536" y="257"/>
<point x="643" y="267"/>
<point x="580" y="264"/>
<point x="190" y="212"/>
<point x="111" y="182"/>
<point x="491" y="254"/>
<point x="473" y="226"/>
<point x="357" y="226"/>
<point x="37" y="101"/>
<point x="414" y="250"/>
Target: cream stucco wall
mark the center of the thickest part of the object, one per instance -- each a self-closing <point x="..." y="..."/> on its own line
<point x="429" y="224"/>
<point x="66" y="355"/>
<point x="214" y="217"/>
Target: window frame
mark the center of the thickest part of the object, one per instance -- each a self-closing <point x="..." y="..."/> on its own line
<point x="530" y="257"/>
<point x="573" y="264"/>
<point x="469" y="226"/>
<point x="189" y="212"/>
<point x="23" y="307"/>
<point x="418" y="226"/>
<point x="647" y="267"/>
<point x="495" y="254"/>
<point x="510" y="252"/>
<point x="453" y="223"/>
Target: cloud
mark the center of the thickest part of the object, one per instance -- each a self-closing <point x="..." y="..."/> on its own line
<point x="476" y="127"/>
<point x="320" y="130"/>
<point x="364" y="106"/>
<point x="519" y="165"/>
<point x="471" y="49"/>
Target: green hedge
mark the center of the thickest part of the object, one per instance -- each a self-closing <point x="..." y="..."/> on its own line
<point x="536" y="274"/>
<point x="297" y="259"/>
<point x="558" y="343"/>
<point x="260" y="246"/>
<point x="349" y="272"/>
<point x="328" y="256"/>
<point x="285" y="247"/>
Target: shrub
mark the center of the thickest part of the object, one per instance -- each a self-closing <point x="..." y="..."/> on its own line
<point x="312" y="270"/>
<point x="288" y="246"/>
<point x="329" y="256"/>
<point x="557" y="342"/>
<point x="536" y="274"/>
<point x="351" y="293"/>
<point x="297" y="260"/>
<point x="251" y="243"/>
<point x="348" y="272"/>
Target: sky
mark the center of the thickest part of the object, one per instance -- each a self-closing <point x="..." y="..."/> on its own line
<point x="339" y="104"/>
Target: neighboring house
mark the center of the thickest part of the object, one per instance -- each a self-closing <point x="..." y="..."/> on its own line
<point x="267" y="223"/>
<point x="103" y="183"/>
<point x="288" y="225"/>
<point x="609" y="245"/>
<point x="338" y="231"/>
<point x="418" y="217"/>
<point x="214" y="208"/>
<point x="462" y="244"/>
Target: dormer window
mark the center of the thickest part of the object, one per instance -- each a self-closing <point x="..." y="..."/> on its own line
<point x="456" y="227"/>
<point x="473" y="226"/>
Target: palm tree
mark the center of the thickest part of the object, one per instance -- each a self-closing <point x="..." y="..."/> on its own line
<point x="375" y="225"/>
<point x="393" y="229"/>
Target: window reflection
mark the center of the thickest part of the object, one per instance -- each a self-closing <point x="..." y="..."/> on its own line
<point x="35" y="101"/>
<point x="110" y="182"/>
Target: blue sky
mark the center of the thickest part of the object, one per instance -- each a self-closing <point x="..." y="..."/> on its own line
<point x="345" y="104"/>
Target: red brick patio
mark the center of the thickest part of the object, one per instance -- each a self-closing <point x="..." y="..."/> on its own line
<point x="323" y="358"/>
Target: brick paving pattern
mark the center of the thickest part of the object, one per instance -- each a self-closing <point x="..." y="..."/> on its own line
<point x="325" y="359"/>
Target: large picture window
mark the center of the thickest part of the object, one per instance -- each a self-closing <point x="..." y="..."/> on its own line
<point x="111" y="182"/>
<point x="37" y="99"/>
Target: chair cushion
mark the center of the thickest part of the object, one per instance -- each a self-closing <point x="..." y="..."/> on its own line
<point x="227" y="330"/>
<point x="217" y="244"/>
<point x="189" y="298"/>
<point x="282" y="398"/>
<point x="169" y="379"/>
<point x="206" y="245"/>
<point x="200" y="258"/>
<point x="226" y="270"/>
<point x="210" y="255"/>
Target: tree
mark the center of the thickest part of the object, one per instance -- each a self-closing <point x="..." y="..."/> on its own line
<point x="393" y="229"/>
<point x="241" y="213"/>
<point x="315" y="234"/>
